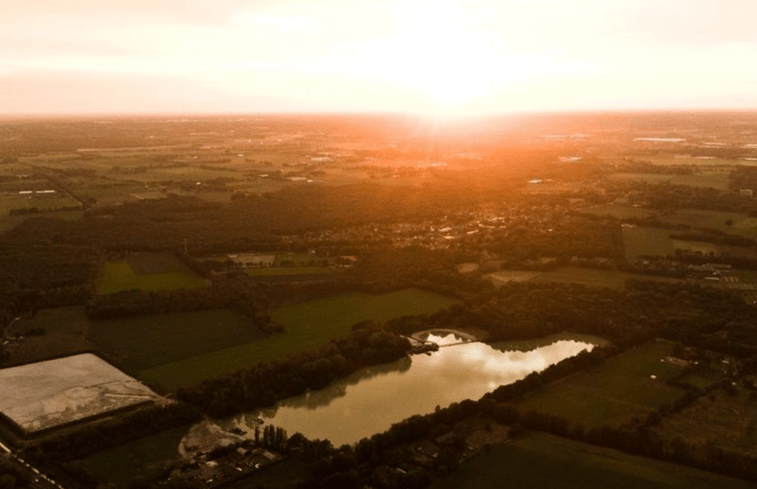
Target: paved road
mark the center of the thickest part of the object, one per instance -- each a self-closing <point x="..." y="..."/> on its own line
<point x="41" y="481"/>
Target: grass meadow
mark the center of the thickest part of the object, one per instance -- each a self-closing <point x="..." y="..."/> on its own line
<point x="308" y="325"/>
<point x="618" y="211"/>
<point x="591" y="277"/>
<point x="640" y="241"/>
<point x="728" y="222"/>
<point x="43" y="203"/>
<point x="277" y="271"/>
<point x="143" y="457"/>
<point x="614" y="392"/>
<point x="143" y="342"/>
<point x="724" y="419"/>
<point x="712" y="179"/>
<point x="538" y="460"/>
<point x="123" y="275"/>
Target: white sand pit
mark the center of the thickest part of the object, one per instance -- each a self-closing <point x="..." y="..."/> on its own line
<point x="47" y="394"/>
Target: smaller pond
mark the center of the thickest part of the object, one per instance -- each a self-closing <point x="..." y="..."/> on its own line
<point x="372" y="399"/>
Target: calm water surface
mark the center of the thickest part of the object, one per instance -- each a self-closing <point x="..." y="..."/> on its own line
<point x="372" y="399"/>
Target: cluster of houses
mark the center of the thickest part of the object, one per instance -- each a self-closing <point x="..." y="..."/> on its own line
<point x="444" y="233"/>
<point x="237" y="464"/>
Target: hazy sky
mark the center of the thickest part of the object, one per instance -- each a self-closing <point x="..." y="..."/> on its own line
<point x="449" y="57"/>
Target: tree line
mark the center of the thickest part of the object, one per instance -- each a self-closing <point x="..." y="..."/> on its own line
<point x="269" y="382"/>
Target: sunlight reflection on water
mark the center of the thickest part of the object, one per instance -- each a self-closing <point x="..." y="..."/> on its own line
<point x="371" y="400"/>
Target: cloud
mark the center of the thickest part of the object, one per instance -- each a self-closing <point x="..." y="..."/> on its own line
<point x="64" y="92"/>
<point x="694" y="24"/>
<point x="369" y="54"/>
<point x="200" y="12"/>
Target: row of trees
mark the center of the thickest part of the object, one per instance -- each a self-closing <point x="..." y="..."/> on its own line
<point x="269" y="382"/>
<point x="78" y="442"/>
<point x="692" y="314"/>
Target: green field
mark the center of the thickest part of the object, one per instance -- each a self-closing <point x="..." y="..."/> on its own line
<point x="538" y="460"/>
<point x="175" y="174"/>
<point x="147" y="263"/>
<point x="276" y="271"/>
<point x="308" y="325"/>
<point x="639" y="241"/>
<point x="144" y="457"/>
<point x="718" y="180"/>
<point x="740" y="224"/>
<point x="618" y="211"/>
<point x="591" y="277"/>
<point x="504" y="276"/>
<point x="106" y="191"/>
<point x="701" y="380"/>
<point x="118" y="276"/>
<point x="725" y="419"/>
<point x="701" y="162"/>
<point x="9" y="222"/>
<point x="9" y="202"/>
<point x="147" y="341"/>
<point x="298" y="260"/>
<point x="613" y="393"/>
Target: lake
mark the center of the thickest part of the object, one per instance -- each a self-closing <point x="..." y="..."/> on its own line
<point x="371" y="400"/>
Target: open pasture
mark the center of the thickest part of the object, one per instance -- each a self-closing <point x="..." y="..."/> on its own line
<point x="591" y="277"/>
<point x="37" y="201"/>
<point x="51" y="156"/>
<point x="613" y="393"/>
<point x="698" y="161"/>
<point x="52" y="393"/>
<point x="106" y="191"/>
<point x="277" y="271"/>
<point x="640" y="241"/>
<point x="308" y="325"/>
<point x="175" y="174"/>
<point x="298" y="260"/>
<point x="536" y="459"/>
<point x="8" y="222"/>
<point x="726" y="419"/>
<point x="728" y="222"/>
<point x="120" y="275"/>
<point x="504" y="276"/>
<point x="712" y="179"/>
<point x="144" y="457"/>
<point x="16" y="184"/>
<point x="618" y="211"/>
<point x="146" y="341"/>
<point x="147" y="263"/>
<point x="65" y="331"/>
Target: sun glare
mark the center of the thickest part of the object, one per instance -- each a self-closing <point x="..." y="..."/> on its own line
<point x="438" y="52"/>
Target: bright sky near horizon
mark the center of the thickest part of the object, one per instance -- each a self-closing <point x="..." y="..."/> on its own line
<point x="440" y="57"/>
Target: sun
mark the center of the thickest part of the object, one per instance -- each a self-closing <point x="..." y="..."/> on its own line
<point x="443" y="56"/>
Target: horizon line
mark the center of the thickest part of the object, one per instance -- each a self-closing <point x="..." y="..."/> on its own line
<point x="411" y="114"/>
